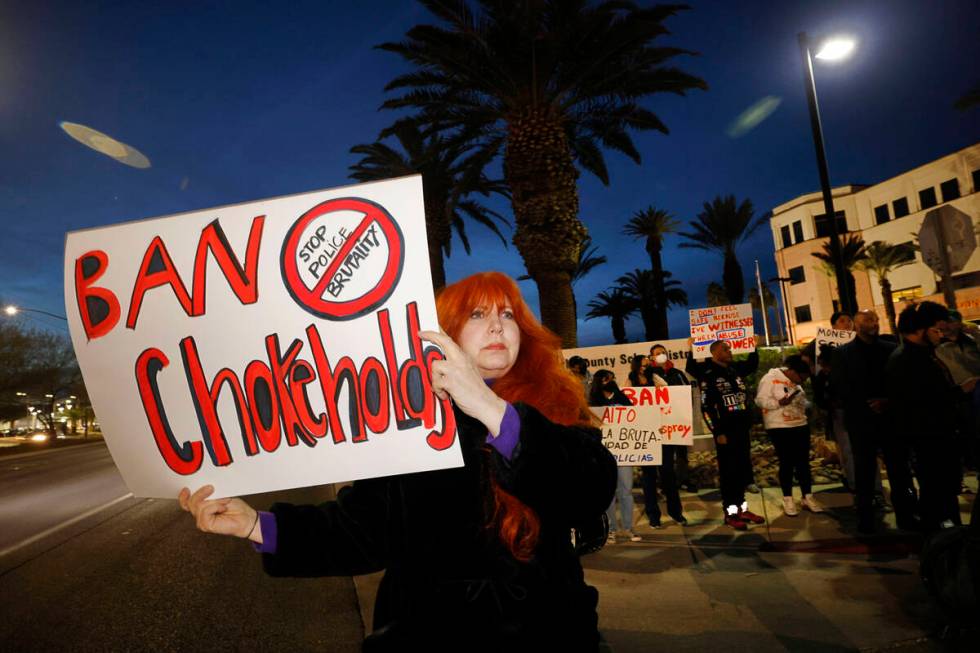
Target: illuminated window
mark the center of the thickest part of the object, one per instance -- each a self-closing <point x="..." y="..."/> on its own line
<point x="906" y="294"/>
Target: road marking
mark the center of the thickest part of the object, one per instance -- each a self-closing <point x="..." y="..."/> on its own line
<point x="65" y="524"/>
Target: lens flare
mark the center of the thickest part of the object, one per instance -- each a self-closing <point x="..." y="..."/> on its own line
<point x="751" y="117"/>
<point x="105" y="144"/>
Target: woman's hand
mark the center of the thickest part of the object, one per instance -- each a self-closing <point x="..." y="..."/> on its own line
<point x="230" y="516"/>
<point x="457" y="377"/>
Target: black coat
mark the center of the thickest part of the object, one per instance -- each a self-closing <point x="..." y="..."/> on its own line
<point x="449" y="583"/>
<point x="922" y="398"/>
<point x="857" y="375"/>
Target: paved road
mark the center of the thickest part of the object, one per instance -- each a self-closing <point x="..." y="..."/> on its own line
<point x="138" y="576"/>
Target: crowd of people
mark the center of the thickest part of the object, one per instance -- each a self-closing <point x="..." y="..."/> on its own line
<point x="909" y="400"/>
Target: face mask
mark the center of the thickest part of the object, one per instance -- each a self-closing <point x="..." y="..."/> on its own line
<point x="660" y="358"/>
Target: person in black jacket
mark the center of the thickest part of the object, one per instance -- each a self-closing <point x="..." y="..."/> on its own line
<point x="922" y="406"/>
<point x="857" y="378"/>
<point x="479" y="557"/>
<point x="674" y="456"/>
<point x="724" y="403"/>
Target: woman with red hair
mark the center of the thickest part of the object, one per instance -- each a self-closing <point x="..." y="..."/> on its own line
<point x="477" y="558"/>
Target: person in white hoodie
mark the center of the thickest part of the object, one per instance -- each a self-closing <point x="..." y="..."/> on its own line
<point x="784" y="404"/>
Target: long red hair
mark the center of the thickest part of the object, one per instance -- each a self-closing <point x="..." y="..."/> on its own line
<point x="538" y="378"/>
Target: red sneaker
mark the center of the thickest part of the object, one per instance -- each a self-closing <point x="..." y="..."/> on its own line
<point x="748" y="516"/>
<point x="736" y="522"/>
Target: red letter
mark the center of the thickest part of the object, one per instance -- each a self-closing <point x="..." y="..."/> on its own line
<point x="440" y="440"/>
<point x="302" y="373"/>
<point x="183" y="458"/>
<point x="374" y="395"/>
<point x="243" y="281"/>
<point x="205" y="399"/>
<point x="663" y="395"/>
<point x="330" y="383"/>
<point x="156" y="270"/>
<point x="97" y="307"/>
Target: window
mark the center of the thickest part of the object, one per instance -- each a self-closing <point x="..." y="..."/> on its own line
<point x="784" y="233"/>
<point x="881" y="214"/>
<point x="976" y="180"/>
<point x="802" y="314"/>
<point x="906" y="294"/>
<point x="900" y="207"/>
<point x="822" y="224"/>
<point x="927" y="198"/>
<point x="950" y="189"/>
<point x="797" y="275"/>
<point x="908" y="252"/>
<point x="966" y="280"/>
<point x="798" y="231"/>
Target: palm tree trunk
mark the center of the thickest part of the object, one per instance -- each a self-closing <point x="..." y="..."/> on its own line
<point x="733" y="279"/>
<point x="619" y="330"/>
<point x="541" y="175"/>
<point x="659" y="292"/>
<point x="886" y="296"/>
<point x="437" y="234"/>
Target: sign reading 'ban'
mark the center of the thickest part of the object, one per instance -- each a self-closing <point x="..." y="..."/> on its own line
<point x="343" y="258"/>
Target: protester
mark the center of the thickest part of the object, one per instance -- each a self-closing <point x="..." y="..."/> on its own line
<point x="673" y="454"/>
<point x="605" y="392"/>
<point x="922" y="405"/>
<point x="726" y="412"/>
<point x="641" y="374"/>
<point x="783" y="403"/>
<point x="477" y="557"/>
<point x="858" y="380"/>
<point x="961" y="356"/>
<point x="580" y="368"/>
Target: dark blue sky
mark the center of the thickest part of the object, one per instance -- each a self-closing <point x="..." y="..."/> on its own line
<point x="256" y="99"/>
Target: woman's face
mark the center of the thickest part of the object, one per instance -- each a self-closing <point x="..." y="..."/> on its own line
<point x="492" y="340"/>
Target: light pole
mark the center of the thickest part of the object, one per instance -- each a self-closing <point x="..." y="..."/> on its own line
<point x="782" y="291"/>
<point x="832" y="50"/>
<point x="14" y="310"/>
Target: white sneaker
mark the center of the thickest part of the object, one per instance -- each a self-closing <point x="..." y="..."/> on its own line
<point x="811" y="504"/>
<point x="789" y="507"/>
<point x="633" y="536"/>
<point x="612" y="538"/>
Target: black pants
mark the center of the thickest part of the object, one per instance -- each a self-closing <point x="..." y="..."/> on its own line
<point x="866" y="441"/>
<point x="668" y="482"/>
<point x="938" y="469"/>
<point x="734" y="466"/>
<point x="793" y="450"/>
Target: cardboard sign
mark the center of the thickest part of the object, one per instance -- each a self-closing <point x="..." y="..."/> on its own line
<point x="265" y="345"/>
<point x="833" y="337"/>
<point x="658" y="416"/>
<point x="731" y="323"/>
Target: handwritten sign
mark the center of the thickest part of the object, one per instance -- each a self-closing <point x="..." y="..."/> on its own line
<point x="265" y="345"/>
<point x="833" y="337"/>
<point x="731" y="323"/>
<point x="658" y="416"/>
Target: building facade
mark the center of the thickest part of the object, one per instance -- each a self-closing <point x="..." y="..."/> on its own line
<point x="890" y="211"/>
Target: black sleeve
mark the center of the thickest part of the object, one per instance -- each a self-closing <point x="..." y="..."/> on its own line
<point x="564" y="473"/>
<point x="343" y="537"/>
<point x="693" y="367"/>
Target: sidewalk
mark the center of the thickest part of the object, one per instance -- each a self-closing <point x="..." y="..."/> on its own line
<point x="801" y="583"/>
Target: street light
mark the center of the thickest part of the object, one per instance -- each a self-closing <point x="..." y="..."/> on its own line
<point x="14" y="310"/>
<point x="831" y="50"/>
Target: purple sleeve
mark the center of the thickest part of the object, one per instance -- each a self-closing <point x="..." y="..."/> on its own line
<point x="506" y="441"/>
<point x="267" y="522"/>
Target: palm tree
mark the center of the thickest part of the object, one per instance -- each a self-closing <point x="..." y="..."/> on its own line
<point x="881" y="258"/>
<point x="587" y="260"/>
<point x="449" y="176"/>
<point x="617" y="306"/>
<point x="641" y="286"/>
<point x="652" y="225"/>
<point x="720" y="227"/>
<point x="548" y="84"/>
<point x="716" y="295"/>
<point x="852" y="252"/>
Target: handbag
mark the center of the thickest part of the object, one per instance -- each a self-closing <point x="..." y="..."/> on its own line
<point x="592" y="536"/>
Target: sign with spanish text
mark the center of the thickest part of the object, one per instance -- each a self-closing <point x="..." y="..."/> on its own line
<point x="833" y="337"/>
<point x="657" y="416"/>
<point x="265" y="345"/>
<point x="732" y="323"/>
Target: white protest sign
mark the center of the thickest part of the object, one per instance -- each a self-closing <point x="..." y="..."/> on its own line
<point x="264" y="345"/>
<point x="833" y="337"/>
<point x="617" y="357"/>
<point x="658" y="416"/>
<point x="731" y="323"/>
